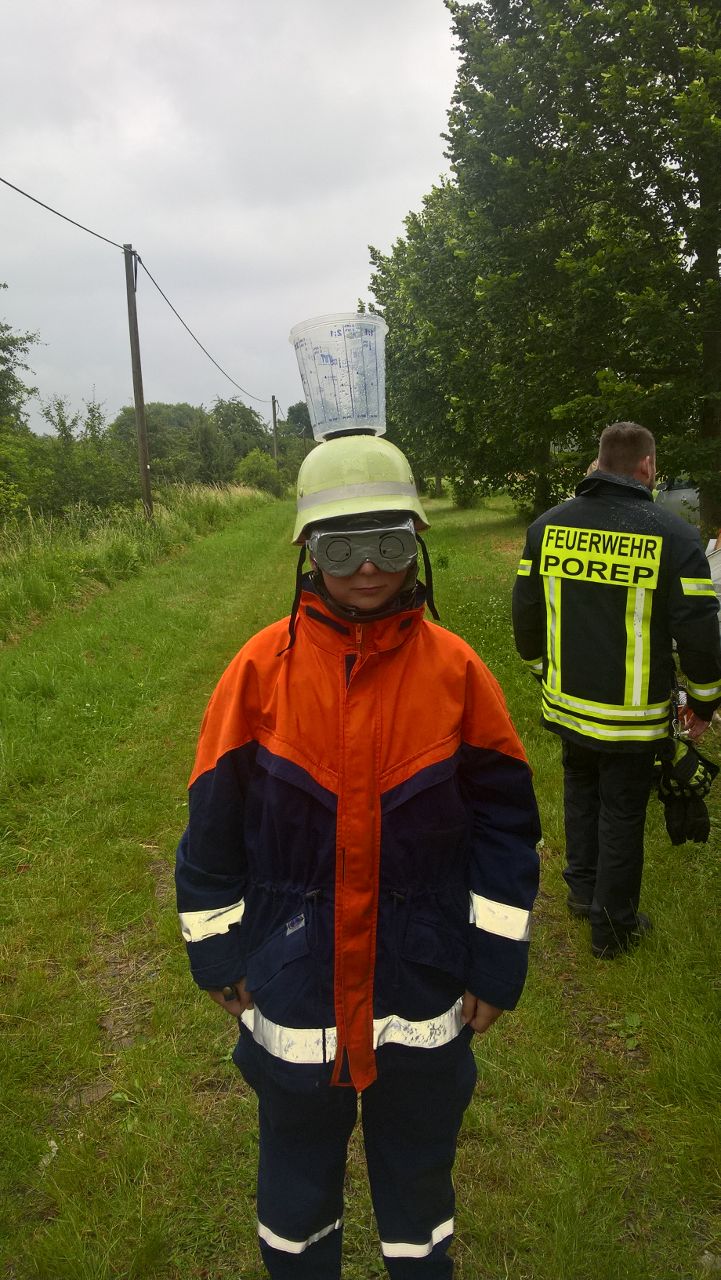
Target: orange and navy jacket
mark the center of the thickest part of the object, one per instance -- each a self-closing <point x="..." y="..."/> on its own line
<point x="361" y="844"/>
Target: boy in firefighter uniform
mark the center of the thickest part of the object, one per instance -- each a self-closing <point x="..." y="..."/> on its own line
<point x="356" y="878"/>
<point x="606" y="583"/>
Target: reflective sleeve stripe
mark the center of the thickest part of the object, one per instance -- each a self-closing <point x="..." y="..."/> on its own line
<point x="294" y="1246"/>
<point x="318" y="1044"/>
<point x="441" y="1232"/>
<point x="535" y="665"/>
<point x="197" y="925"/>
<point x="697" y="587"/>
<point x="524" y="568"/>
<point x="704" y="692"/>
<point x="497" y="917"/>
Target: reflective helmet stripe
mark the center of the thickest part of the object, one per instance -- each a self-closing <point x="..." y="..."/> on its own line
<point x="379" y="489"/>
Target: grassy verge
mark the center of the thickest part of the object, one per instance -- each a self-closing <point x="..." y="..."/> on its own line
<point x="45" y="564"/>
<point x="127" y="1141"/>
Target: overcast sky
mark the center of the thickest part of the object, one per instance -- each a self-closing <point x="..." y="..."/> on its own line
<point x="250" y="150"/>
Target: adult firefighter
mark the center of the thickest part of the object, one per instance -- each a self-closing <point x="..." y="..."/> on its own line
<point x="356" y="878"/>
<point x="606" y="583"/>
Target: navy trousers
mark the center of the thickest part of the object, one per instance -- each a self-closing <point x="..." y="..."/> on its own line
<point x="410" y="1119"/>
<point x="605" y="799"/>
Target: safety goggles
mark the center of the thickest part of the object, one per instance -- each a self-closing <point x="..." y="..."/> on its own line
<point x="341" y="552"/>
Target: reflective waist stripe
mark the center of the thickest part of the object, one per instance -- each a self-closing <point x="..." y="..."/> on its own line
<point x="318" y="1044"/>
<point x="607" y="710"/>
<point x="441" y="1232"/>
<point x="294" y="1246"/>
<point x="197" y="925"/>
<point x="602" y="732"/>
<point x="498" y="918"/>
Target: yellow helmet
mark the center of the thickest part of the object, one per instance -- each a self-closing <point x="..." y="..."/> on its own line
<point x="351" y="475"/>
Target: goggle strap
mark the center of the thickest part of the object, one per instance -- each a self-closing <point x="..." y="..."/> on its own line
<point x="296" y="602"/>
<point x="429" y="578"/>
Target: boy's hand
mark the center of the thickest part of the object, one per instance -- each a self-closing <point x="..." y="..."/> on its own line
<point x="478" y="1014"/>
<point x="243" y="999"/>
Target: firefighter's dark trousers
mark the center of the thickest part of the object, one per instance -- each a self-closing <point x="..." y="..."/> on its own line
<point x="410" y="1124"/>
<point x="605" y="799"/>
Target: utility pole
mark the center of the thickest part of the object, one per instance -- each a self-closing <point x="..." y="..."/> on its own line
<point x="274" y="403"/>
<point x="140" y="424"/>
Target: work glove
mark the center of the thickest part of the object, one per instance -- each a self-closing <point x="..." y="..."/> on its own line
<point x="686" y="773"/>
<point x="698" y="823"/>
<point x="684" y="779"/>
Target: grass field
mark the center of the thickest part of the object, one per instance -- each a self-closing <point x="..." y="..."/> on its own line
<point x="127" y="1142"/>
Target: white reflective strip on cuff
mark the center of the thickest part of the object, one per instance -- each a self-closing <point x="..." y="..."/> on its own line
<point x="497" y="917"/>
<point x="418" y="1250"/>
<point x="375" y="489"/>
<point x="697" y="587"/>
<point x="318" y="1044"/>
<point x="524" y="568"/>
<point x="294" y="1246"/>
<point x="703" y="692"/>
<point x="197" y="925"/>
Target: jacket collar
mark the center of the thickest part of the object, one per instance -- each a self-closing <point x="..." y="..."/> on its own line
<point x="338" y="635"/>
<point x="606" y="482"/>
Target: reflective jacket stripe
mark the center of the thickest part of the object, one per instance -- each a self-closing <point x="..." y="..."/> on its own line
<point x="638" y="645"/>
<point x="552" y="589"/>
<point x="697" y="587"/>
<point x="319" y="1044"/>
<point x="591" y="729"/>
<point x="197" y="925"/>
<point x="499" y="918"/>
<point x="524" y="568"/>
<point x="704" y="692"/>
<point x="607" y="710"/>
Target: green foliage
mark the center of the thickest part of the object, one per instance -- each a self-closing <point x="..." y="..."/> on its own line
<point x="568" y="275"/>
<point x="258" y="471"/>
<point x="46" y="563"/>
<point x="14" y="392"/>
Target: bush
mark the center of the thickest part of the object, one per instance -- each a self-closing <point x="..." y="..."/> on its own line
<point x="259" y="471"/>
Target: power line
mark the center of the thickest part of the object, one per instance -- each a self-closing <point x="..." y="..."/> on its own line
<point x="190" y="331"/>
<point x="60" y="215"/>
<point x="145" y="269"/>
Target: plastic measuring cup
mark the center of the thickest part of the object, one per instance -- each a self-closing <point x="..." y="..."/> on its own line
<point x="341" y="358"/>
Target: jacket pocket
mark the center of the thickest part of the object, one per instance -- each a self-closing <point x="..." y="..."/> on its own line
<point x="288" y="943"/>
<point x="432" y="945"/>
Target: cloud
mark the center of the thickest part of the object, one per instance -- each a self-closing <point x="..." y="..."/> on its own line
<point x="250" y="150"/>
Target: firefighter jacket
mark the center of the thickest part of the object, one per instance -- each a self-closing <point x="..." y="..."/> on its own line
<point x="607" y="581"/>
<point x="361" y="844"/>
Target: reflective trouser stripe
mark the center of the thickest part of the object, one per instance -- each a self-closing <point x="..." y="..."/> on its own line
<point x="402" y="1250"/>
<point x="318" y="1044"/>
<point x="294" y="1246"/>
<point x="499" y="918"/>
